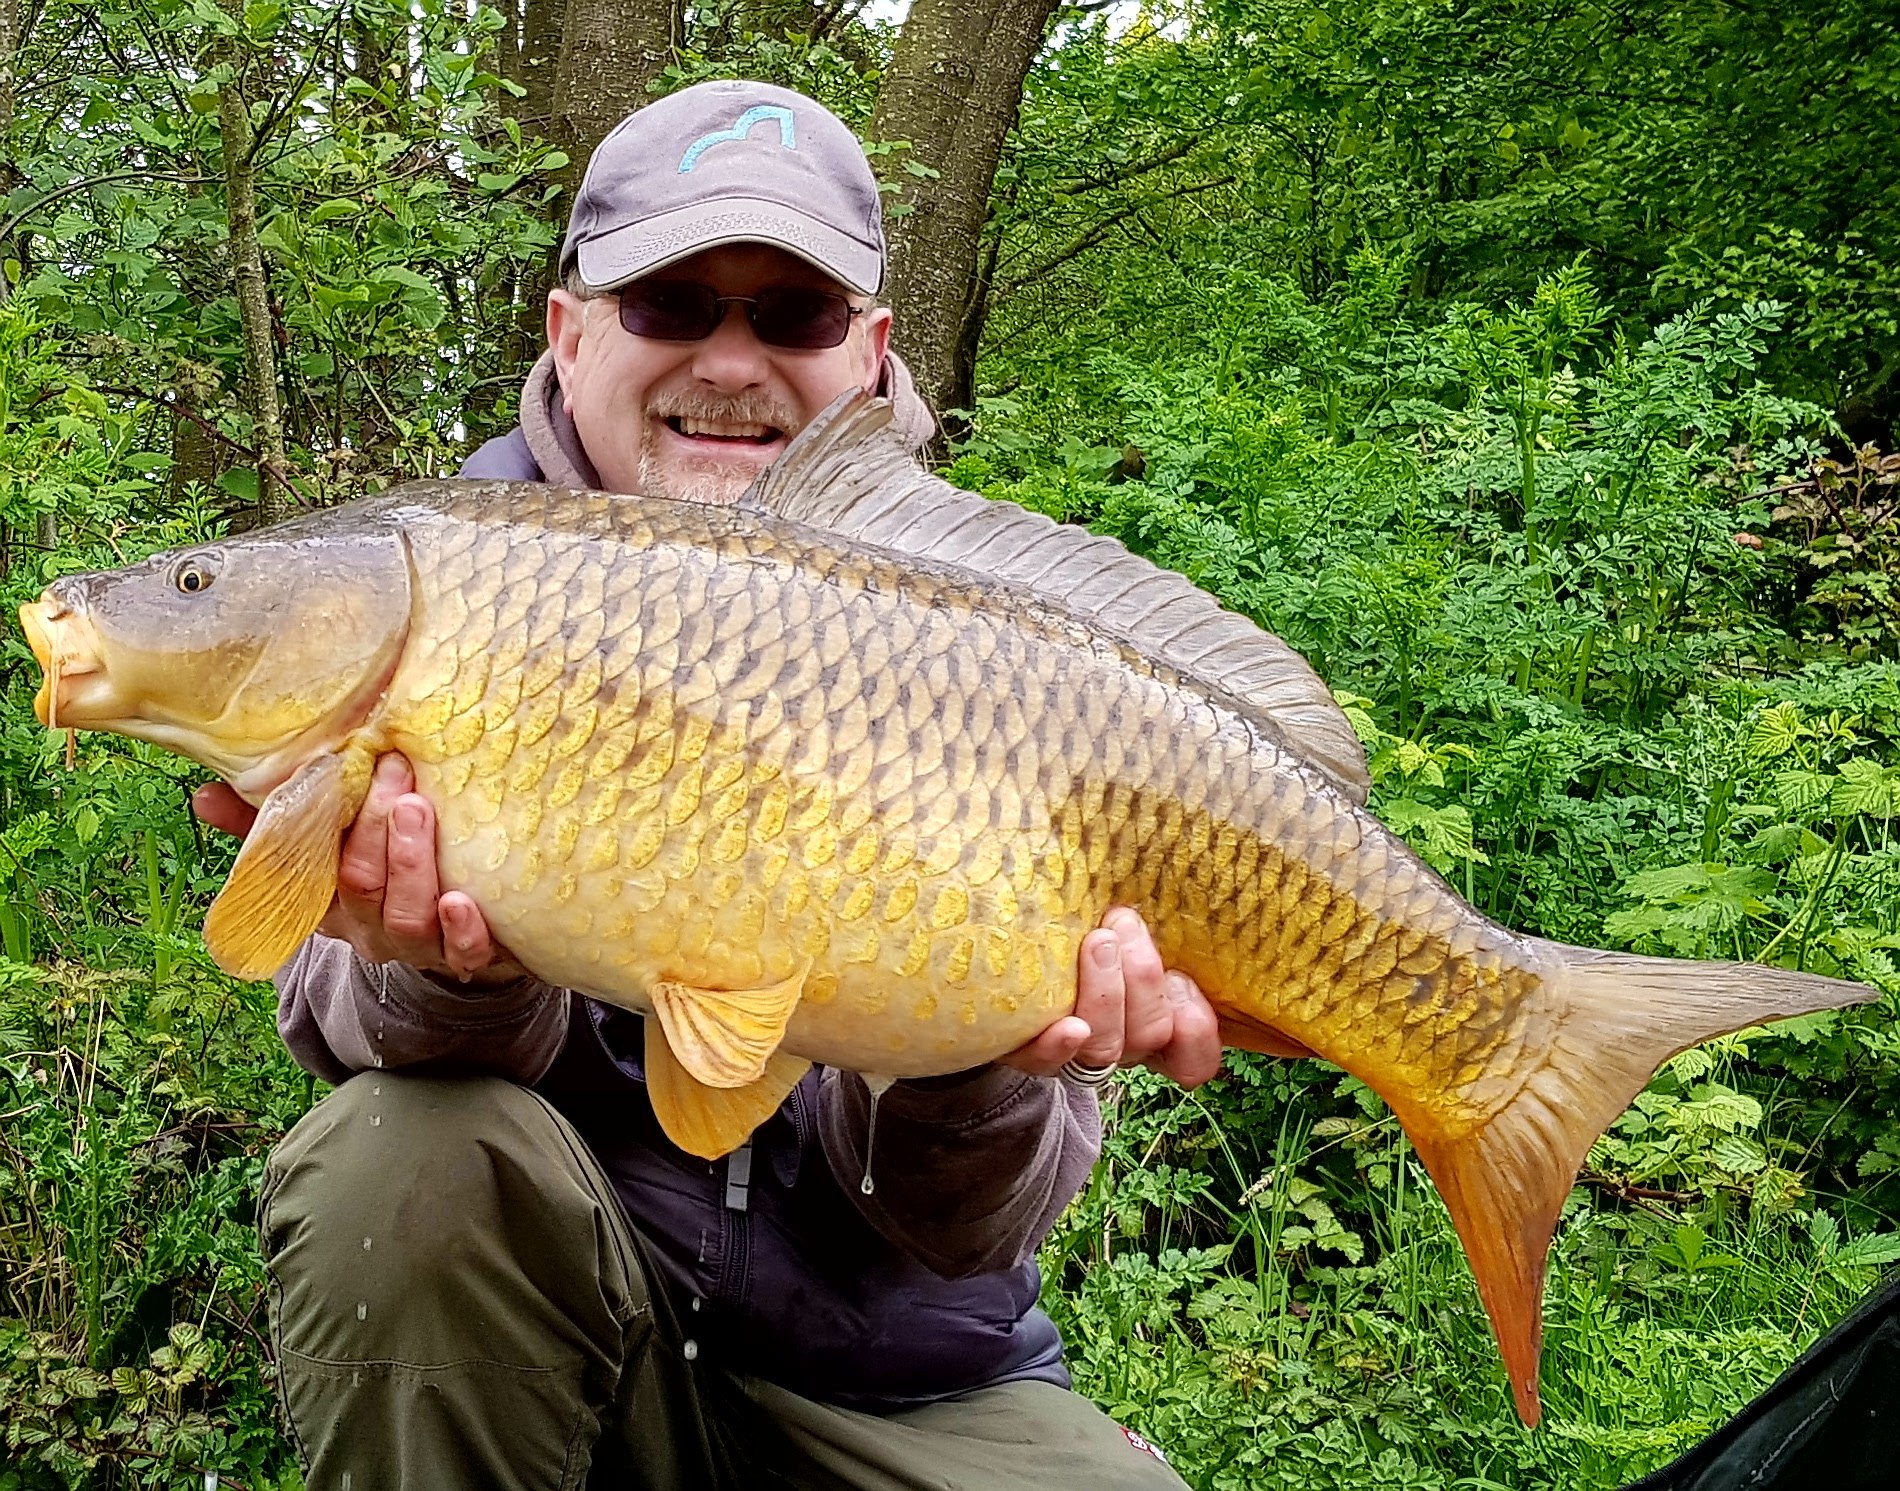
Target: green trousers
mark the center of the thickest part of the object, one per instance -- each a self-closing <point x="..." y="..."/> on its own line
<point x="458" y="1303"/>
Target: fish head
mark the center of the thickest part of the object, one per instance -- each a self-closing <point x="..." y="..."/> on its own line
<point x="246" y="655"/>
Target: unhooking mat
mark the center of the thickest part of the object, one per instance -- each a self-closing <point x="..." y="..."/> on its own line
<point x="1831" y="1422"/>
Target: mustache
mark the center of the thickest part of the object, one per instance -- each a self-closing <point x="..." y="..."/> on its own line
<point x="745" y="408"/>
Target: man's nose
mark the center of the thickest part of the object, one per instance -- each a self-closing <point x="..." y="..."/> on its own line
<point x="733" y="357"/>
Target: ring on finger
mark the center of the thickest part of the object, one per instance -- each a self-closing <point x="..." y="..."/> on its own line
<point x="1086" y="1076"/>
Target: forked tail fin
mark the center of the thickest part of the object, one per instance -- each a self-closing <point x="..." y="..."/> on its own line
<point x="1624" y="1016"/>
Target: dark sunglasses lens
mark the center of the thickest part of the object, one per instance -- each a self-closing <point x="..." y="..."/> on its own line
<point x="801" y="319"/>
<point x="669" y="310"/>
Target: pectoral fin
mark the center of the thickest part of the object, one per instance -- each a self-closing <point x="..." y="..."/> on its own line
<point x="712" y="1121"/>
<point x="724" y="1037"/>
<point x="285" y="876"/>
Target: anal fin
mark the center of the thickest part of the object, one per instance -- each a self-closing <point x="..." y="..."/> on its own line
<point x="712" y="1121"/>
<point x="1250" y="1034"/>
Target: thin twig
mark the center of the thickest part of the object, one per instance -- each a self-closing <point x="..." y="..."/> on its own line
<point x="11" y="224"/>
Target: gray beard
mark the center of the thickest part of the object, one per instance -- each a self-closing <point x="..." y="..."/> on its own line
<point x="693" y="481"/>
<point x="708" y="481"/>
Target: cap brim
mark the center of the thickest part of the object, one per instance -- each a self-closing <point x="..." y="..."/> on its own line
<point x="612" y="259"/>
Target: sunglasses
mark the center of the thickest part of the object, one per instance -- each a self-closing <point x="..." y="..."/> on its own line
<point x="780" y="316"/>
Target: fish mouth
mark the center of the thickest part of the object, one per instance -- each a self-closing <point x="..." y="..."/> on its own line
<point x="74" y="690"/>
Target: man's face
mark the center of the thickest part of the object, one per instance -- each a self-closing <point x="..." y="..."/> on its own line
<point x="700" y="420"/>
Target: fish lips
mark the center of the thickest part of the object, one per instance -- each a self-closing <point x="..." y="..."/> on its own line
<point x="74" y="689"/>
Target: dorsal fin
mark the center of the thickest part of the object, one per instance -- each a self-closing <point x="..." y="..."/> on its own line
<point x="848" y="473"/>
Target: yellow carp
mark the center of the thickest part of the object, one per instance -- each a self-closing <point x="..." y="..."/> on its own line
<point x="843" y="776"/>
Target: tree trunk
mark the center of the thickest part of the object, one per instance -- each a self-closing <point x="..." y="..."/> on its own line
<point x="9" y="51"/>
<point x="197" y="460"/>
<point x="247" y="273"/>
<point x="538" y="60"/>
<point x="373" y="53"/>
<point x="952" y="91"/>
<point x="610" y="52"/>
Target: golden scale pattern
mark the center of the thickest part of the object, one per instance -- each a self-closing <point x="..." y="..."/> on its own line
<point x="676" y="742"/>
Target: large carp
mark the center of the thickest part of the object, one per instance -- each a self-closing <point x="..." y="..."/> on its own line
<point x="843" y="775"/>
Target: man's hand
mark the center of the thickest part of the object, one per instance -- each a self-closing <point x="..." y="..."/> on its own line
<point x="389" y="904"/>
<point x="1129" y="1011"/>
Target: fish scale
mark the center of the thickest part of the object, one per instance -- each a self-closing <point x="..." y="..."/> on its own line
<point x="769" y="842"/>
<point x="846" y="777"/>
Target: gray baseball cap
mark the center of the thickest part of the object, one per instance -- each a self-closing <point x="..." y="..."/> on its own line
<point x="727" y="162"/>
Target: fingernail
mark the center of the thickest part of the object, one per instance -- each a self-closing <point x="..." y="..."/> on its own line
<point x="1107" y="953"/>
<point x="407" y="818"/>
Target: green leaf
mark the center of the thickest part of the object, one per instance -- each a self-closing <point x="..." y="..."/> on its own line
<point x="1864" y="787"/>
<point x="1802" y="791"/>
<point x="1776" y="732"/>
<point x="240" y="482"/>
<point x="330" y="298"/>
<point x="1738" y="1154"/>
<point x="336" y="207"/>
<point x="396" y="274"/>
<point x="1876" y="1250"/>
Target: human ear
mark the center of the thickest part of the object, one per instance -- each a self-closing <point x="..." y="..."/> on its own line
<point x="877" y="342"/>
<point x="567" y="323"/>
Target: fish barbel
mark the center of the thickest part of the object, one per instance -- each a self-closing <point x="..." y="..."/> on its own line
<point x="844" y="776"/>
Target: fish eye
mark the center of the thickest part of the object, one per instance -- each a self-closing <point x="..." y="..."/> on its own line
<point x="193" y="575"/>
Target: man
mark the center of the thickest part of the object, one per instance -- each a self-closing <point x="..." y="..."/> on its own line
<point x="489" y="1267"/>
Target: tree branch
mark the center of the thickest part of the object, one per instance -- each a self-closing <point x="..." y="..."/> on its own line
<point x="176" y="405"/>
<point x="1086" y="241"/>
<point x="1154" y="163"/>
<point x="288" y="100"/>
<point x="8" y="228"/>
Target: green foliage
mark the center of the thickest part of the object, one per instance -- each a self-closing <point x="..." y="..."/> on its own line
<point x="1479" y="352"/>
<point x="1527" y="553"/>
<point x="398" y="208"/>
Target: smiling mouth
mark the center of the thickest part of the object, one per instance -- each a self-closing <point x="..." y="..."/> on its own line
<point x="723" y="432"/>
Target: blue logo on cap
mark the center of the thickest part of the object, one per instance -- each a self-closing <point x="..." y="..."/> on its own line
<point x="757" y="114"/>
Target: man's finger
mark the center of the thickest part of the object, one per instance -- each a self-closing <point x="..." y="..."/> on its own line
<point x="217" y="805"/>
<point x="468" y="946"/>
<point x="412" y="891"/>
<point x="1147" y="1012"/>
<point x="1099" y="997"/>
<point x="1193" y="1055"/>
<point x="1044" y="1056"/>
<point x="364" y="866"/>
